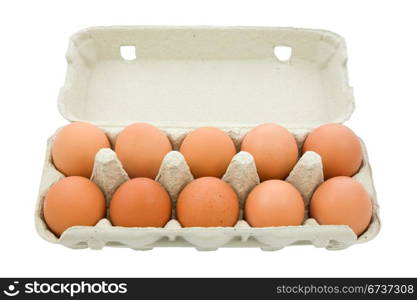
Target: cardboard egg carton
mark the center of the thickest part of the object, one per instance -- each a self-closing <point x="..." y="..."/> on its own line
<point x="228" y="77"/>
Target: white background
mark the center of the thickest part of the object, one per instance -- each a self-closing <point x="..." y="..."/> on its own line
<point x="382" y="47"/>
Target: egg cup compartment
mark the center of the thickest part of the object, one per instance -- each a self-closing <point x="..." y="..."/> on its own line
<point x="174" y="174"/>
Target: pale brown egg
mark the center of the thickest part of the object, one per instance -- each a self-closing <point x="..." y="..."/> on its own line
<point x="274" y="149"/>
<point x="75" y="147"/>
<point x="140" y="202"/>
<point x="339" y="148"/>
<point x="141" y="148"/>
<point x="342" y="201"/>
<point x="73" y="201"/>
<point x="208" y="151"/>
<point x="274" y="203"/>
<point x="208" y="202"/>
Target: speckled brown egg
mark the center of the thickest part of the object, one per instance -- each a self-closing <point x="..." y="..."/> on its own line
<point x="274" y="203"/>
<point x="141" y="148"/>
<point x="73" y="201"/>
<point x="342" y="201"/>
<point x="274" y="149"/>
<point x="339" y="148"/>
<point x="208" y="151"/>
<point x="208" y="202"/>
<point x="140" y="202"/>
<point x="75" y="147"/>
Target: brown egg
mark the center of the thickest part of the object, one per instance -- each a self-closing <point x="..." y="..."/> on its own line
<point x="140" y="202"/>
<point x="274" y="149"/>
<point x="75" y="147"/>
<point x="339" y="148"/>
<point x="141" y="148"/>
<point x="208" y="151"/>
<point x="342" y="201"/>
<point x="274" y="203"/>
<point x="73" y="201"/>
<point x="208" y="202"/>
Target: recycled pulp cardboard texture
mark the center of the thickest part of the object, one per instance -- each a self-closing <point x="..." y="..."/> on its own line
<point x="186" y="77"/>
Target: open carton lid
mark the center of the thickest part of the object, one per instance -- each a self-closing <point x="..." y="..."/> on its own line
<point x="195" y="76"/>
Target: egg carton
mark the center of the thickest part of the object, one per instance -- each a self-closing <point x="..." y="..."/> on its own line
<point x="174" y="174"/>
<point x="182" y="78"/>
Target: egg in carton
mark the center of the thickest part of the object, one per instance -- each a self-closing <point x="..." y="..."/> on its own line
<point x="174" y="174"/>
<point x="192" y="72"/>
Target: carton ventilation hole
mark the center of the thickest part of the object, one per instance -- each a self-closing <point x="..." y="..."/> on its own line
<point x="283" y="53"/>
<point x="128" y="52"/>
